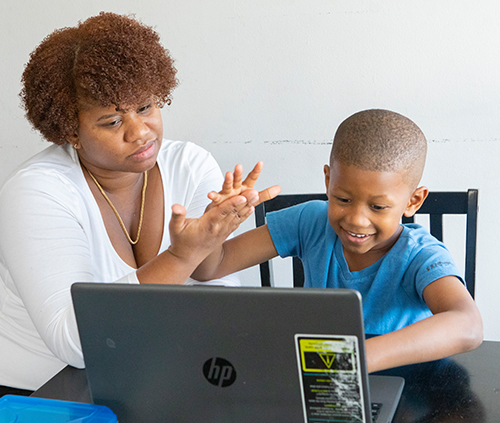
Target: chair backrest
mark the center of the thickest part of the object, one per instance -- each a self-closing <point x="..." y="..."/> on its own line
<point x="436" y="205"/>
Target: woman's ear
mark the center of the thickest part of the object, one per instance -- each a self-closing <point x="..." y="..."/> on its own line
<point x="416" y="200"/>
<point x="74" y="141"/>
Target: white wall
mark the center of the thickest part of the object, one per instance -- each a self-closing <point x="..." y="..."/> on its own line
<point x="272" y="79"/>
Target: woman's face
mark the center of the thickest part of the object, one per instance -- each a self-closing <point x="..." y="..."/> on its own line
<point x="112" y="139"/>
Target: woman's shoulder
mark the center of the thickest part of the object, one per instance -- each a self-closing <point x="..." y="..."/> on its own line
<point x="179" y="156"/>
<point x="172" y="150"/>
<point x="47" y="169"/>
<point x="58" y="158"/>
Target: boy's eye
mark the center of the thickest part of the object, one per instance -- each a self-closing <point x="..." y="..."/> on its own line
<point x="342" y="200"/>
<point x="375" y="207"/>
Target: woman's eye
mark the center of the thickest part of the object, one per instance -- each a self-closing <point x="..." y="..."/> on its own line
<point x="145" y="108"/>
<point x="113" y="123"/>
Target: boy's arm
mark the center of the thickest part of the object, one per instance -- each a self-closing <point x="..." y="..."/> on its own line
<point x="246" y="250"/>
<point x="456" y="326"/>
<point x="249" y="249"/>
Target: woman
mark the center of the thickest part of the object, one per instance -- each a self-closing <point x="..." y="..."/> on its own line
<point x="94" y="206"/>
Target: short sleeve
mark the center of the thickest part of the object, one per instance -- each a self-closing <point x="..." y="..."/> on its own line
<point x="284" y="230"/>
<point x="299" y="228"/>
<point x="431" y="261"/>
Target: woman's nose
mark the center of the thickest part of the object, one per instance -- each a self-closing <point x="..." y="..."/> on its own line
<point x="136" y="128"/>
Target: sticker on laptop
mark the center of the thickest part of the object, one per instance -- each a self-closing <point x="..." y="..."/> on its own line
<point x="330" y="378"/>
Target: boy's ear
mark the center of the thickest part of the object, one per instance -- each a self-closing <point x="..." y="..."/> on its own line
<point x="416" y="200"/>
<point x="326" y="171"/>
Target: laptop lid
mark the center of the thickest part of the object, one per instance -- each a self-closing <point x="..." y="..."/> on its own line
<point x="158" y="353"/>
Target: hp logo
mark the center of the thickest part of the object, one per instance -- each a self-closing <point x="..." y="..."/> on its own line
<point x="219" y="372"/>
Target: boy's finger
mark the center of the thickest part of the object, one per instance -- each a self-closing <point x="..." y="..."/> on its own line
<point x="252" y="177"/>
<point x="227" y="186"/>
<point x="269" y="193"/>
<point x="215" y="197"/>
<point x="238" y="176"/>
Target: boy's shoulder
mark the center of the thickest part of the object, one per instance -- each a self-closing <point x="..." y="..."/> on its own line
<point x="307" y="219"/>
<point x="308" y="208"/>
<point x="313" y="208"/>
<point x="417" y="244"/>
<point x="420" y="258"/>
<point x="415" y="235"/>
<point x="309" y="213"/>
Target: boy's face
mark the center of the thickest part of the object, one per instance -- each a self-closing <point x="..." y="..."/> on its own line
<point x="365" y="209"/>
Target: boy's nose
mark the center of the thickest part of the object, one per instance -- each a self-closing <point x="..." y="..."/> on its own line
<point x="357" y="218"/>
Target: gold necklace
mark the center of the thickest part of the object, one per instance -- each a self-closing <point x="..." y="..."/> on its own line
<point x="143" y="197"/>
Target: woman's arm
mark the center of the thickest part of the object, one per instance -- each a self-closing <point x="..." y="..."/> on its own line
<point x="45" y="248"/>
<point x="192" y="240"/>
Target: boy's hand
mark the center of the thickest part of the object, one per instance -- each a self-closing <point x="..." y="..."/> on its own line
<point x="234" y="185"/>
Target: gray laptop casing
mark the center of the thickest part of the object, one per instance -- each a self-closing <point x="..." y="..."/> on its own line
<point x="150" y="349"/>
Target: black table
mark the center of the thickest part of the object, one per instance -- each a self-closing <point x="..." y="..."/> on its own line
<point x="464" y="388"/>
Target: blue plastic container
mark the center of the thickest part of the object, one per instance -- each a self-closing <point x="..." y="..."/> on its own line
<point x="19" y="409"/>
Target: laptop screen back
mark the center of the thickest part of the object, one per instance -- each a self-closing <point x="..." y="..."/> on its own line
<point x="213" y="354"/>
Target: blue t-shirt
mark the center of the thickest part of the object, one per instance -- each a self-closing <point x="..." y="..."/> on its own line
<point x="391" y="288"/>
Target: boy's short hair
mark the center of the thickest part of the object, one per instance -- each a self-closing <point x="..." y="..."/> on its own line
<point x="382" y="141"/>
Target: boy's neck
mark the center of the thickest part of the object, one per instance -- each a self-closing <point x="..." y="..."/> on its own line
<point x="357" y="262"/>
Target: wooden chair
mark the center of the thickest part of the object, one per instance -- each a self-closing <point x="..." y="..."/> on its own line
<point x="436" y="205"/>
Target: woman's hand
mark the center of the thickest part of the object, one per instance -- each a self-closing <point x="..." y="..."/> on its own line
<point x="234" y="185"/>
<point x="193" y="239"/>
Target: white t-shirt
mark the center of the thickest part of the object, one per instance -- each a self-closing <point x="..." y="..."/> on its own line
<point x="52" y="235"/>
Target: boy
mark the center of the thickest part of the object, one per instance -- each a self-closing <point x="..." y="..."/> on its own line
<point x="412" y="293"/>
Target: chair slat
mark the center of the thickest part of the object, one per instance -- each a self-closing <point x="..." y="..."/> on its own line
<point x="436" y="226"/>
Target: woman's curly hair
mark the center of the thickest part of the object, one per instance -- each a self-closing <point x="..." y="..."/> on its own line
<point x="108" y="59"/>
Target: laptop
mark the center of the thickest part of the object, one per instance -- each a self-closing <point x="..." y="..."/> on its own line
<point x="159" y="353"/>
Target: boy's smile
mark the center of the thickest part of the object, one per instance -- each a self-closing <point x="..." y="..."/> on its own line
<point x="365" y="209"/>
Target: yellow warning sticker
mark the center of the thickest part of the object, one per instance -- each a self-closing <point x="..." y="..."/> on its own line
<point x="326" y="355"/>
